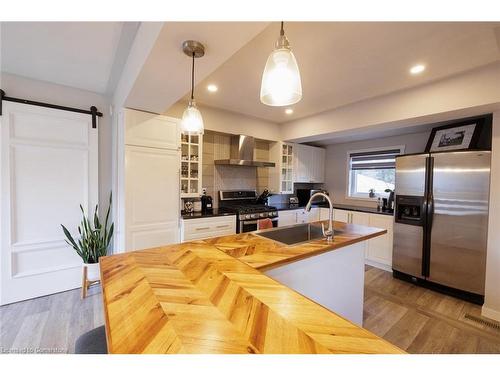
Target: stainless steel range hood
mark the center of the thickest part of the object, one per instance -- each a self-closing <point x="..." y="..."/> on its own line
<point x="241" y="153"/>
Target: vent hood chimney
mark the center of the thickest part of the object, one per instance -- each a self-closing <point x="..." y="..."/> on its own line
<point x="241" y="153"/>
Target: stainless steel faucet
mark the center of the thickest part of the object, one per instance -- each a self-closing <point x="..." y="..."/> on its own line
<point x="329" y="232"/>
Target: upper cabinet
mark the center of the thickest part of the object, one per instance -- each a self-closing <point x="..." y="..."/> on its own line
<point x="309" y="165"/>
<point x="150" y="130"/>
<point x="281" y="176"/>
<point x="191" y="166"/>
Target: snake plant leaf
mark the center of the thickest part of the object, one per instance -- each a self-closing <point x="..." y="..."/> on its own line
<point x="68" y="236"/>
<point x="94" y="235"/>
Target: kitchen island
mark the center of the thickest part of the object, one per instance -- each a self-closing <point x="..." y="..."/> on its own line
<point x="211" y="296"/>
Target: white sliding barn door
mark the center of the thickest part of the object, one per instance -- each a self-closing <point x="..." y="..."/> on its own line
<point x="49" y="167"/>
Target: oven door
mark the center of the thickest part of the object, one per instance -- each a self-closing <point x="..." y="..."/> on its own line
<point x="252" y="225"/>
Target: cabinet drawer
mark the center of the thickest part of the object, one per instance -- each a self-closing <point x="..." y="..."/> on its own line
<point x="195" y="229"/>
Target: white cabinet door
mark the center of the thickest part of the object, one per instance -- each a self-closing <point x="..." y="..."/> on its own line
<point x="287" y="218"/>
<point x="380" y="248"/>
<point x="301" y="157"/>
<point x="309" y="164"/>
<point x="282" y="175"/>
<point x="49" y="166"/>
<point x="360" y="218"/>
<point x="341" y="215"/>
<point x="319" y="165"/>
<point x="152" y="197"/>
<point x="151" y="130"/>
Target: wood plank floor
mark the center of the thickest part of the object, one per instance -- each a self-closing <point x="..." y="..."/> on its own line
<point x="415" y="319"/>
<point x="49" y="324"/>
<point x="419" y="320"/>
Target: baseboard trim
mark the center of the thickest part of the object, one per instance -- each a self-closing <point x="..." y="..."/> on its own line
<point x="381" y="266"/>
<point x="490" y="313"/>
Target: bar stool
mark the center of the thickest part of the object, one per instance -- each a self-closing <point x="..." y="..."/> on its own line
<point x="92" y="342"/>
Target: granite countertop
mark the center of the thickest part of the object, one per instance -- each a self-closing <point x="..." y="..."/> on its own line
<point x="212" y="213"/>
<point x="210" y="296"/>
<point x="370" y="210"/>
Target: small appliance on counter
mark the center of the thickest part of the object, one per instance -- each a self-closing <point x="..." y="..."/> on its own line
<point x="293" y="201"/>
<point x="206" y="203"/>
<point x="188" y="207"/>
<point x="305" y="194"/>
<point x="388" y="203"/>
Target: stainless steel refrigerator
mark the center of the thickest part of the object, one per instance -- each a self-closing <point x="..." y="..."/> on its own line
<point x="441" y="221"/>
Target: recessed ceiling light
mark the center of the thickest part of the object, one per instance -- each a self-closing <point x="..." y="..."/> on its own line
<point x="288" y="111"/>
<point x="212" y="88"/>
<point x="417" y="69"/>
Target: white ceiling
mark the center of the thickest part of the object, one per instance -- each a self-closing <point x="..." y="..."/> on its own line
<point x="76" y="54"/>
<point x="342" y="63"/>
<point x="165" y="77"/>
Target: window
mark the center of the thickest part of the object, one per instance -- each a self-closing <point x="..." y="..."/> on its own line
<point x="372" y="170"/>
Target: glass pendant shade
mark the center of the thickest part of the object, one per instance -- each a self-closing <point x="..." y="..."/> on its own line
<point x="192" y="122"/>
<point x="281" y="84"/>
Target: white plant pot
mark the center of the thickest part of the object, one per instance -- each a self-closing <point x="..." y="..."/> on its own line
<point x="93" y="271"/>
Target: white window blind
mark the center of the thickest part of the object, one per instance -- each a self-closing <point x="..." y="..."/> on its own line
<point x="374" y="160"/>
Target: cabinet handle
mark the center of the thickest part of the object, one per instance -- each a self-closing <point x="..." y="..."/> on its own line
<point x="203" y="228"/>
<point x="222" y="226"/>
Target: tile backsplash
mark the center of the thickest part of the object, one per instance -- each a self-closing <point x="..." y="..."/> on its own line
<point x="228" y="177"/>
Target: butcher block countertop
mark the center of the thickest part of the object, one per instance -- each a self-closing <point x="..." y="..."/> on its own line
<point x="210" y="296"/>
<point x="264" y="254"/>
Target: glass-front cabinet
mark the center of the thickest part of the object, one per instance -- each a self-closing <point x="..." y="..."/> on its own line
<point x="281" y="176"/>
<point x="191" y="166"/>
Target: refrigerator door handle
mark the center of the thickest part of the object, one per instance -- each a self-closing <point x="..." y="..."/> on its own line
<point x="429" y="215"/>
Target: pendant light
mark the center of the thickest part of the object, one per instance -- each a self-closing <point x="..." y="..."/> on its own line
<point x="281" y="83"/>
<point x="192" y="122"/>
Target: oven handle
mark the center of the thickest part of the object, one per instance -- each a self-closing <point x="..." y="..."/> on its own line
<point x="255" y="221"/>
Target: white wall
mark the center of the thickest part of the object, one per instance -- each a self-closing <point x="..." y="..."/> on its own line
<point x="336" y="162"/>
<point x="26" y="88"/>
<point x="491" y="307"/>
<point x="229" y="122"/>
<point x="472" y="93"/>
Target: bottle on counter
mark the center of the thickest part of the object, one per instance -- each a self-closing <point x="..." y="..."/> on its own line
<point x="379" y="204"/>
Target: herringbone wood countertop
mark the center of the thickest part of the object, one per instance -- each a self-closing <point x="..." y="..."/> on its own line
<point x="209" y="297"/>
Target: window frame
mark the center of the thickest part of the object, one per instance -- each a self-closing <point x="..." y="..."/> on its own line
<point x="365" y="196"/>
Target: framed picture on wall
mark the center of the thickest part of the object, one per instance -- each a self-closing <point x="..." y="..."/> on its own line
<point x="457" y="136"/>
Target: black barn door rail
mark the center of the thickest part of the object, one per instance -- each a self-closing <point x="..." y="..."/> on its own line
<point x="93" y="110"/>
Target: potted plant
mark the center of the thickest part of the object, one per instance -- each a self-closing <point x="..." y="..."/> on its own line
<point x="93" y="241"/>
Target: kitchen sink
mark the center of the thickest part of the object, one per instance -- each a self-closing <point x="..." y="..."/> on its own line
<point x="294" y="234"/>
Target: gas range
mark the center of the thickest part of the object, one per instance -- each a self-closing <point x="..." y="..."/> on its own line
<point x="245" y="204"/>
<point x="253" y="211"/>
